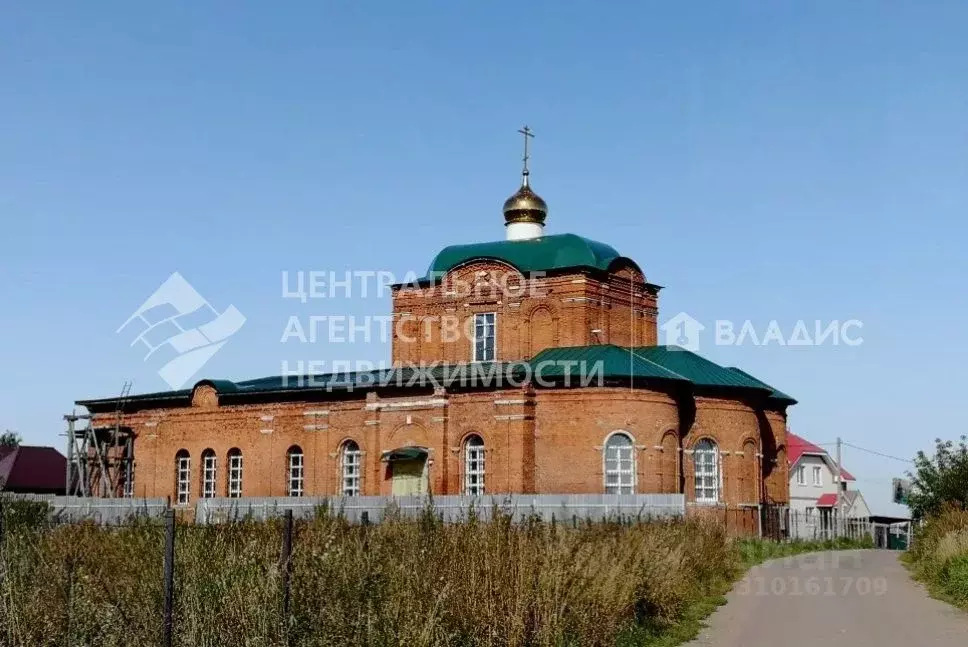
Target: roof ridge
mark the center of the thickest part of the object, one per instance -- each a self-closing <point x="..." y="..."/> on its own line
<point x="631" y="350"/>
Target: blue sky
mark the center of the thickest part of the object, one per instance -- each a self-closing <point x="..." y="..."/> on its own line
<point x="761" y="160"/>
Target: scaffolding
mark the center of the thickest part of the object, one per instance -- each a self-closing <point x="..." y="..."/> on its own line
<point x="100" y="458"/>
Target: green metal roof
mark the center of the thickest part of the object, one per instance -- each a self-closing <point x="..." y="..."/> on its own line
<point x="775" y="394"/>
<point x="615" y="361"/>
<point x="577" y="365"/>
<point x="545" y="254"/>
<point x="698" y="370"/>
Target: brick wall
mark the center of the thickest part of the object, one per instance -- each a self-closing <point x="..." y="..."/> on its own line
<point x="542" y="441"/>
<point x="434" y="323"/>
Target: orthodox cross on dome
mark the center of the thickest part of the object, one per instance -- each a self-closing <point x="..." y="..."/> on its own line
<point x="527" y="135"/>
<point x="525" y="211"/>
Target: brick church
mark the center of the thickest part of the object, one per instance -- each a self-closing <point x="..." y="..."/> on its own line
<point x="525" y="365"/>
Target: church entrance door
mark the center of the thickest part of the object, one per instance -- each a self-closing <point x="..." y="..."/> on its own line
<point x="409" y="477"/>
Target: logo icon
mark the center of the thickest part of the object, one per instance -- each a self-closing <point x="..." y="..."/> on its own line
<point x="169" y="314"/>
<point x="683" y="331"/>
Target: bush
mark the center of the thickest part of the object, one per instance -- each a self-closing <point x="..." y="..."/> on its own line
<point x="940" y="480"/>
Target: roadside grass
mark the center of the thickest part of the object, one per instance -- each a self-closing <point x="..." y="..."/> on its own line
<point x="939" y="556"/>
<point x="414" y="582"/>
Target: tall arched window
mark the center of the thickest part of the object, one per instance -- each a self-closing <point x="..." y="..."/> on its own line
<point x="235" y="473"/>
<point x="294" y="471"/>
<point x="706" y="458"/>
<point x="350" y="469"/>
<point x="209" y="470"/>
<point x="183" y="477"/>
<point x="474" y="465"/>
<point x="619" y="464"/>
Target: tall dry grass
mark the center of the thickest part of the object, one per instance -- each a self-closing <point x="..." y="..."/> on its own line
<point x="400" y="582"/>
<point x="940" y="554"/>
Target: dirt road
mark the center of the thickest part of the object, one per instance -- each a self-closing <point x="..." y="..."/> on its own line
<point x="854" y="598"/>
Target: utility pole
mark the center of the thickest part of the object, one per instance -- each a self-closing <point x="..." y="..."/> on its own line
<point x="838" y="520"/>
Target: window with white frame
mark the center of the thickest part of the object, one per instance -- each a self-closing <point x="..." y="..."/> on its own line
<point x="295" y="474"/>
<point x="706" y="458"/>
<point x="235" y="473"/>
<point x="802" y="475"/>
<point x="183" y="477"/>
<point x="817" y="475"/>
<point x="350" y="469"/>
<point x="619" y="464"/>
<point x="474" y="465"/>
<point x="484" y="336"/>
<point x="809" y="513"/>
<point x="209" y="469"/>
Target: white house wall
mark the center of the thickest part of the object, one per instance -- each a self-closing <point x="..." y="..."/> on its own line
<point x="805" y="496"/>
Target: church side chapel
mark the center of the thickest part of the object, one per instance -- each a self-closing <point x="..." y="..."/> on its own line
<point x="656" y="419"/>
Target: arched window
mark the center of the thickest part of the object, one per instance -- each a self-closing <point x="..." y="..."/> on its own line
<point x="235" y="473"/>
<point x="474" y="465"/>
<point x="183" y="477"/>
<point x="619" y="464"/>
<point x="209" y="469"/>
<point x="294" y="471"/>
<point x="706" y="458"/>
<point x="350" y="469"/>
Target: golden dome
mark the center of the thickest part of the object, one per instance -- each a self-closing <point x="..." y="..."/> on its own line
<point x="525" y="205"/>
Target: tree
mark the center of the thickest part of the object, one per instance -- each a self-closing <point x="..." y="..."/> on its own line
<point x="10" y="439"/>
<point x="941" y="479"/>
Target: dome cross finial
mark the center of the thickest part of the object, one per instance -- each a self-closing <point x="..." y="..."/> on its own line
<point x="525" y="211"/>
<point x="528" y="134"/>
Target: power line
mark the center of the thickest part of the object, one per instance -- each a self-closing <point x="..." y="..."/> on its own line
<point x="882" y="455"/>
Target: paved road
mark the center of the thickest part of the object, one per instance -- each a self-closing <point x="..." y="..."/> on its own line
<point x="852" y="598"/>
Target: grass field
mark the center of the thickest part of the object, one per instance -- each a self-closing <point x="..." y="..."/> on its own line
<point x="399" y="582"/>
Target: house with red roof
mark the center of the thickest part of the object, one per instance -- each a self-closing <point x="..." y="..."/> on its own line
<point x="35" y="470"/>
<point x="814" y="485"/>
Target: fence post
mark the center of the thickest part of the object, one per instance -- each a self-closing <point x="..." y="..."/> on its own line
<point x="286" y="559"/>
<point x="169" y="590"/>
<point x="3" y="561"/>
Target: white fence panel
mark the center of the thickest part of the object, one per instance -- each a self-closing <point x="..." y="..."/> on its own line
<point x="72" y="509"/>
<point x="561" y="507"/>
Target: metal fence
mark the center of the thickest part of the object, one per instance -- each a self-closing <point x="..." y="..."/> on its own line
<point x="71" y="509"/>
<point x="372" y="509"/>
<point x="782" y="523"/>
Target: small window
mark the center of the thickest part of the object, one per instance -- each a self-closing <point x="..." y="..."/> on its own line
<point x="809" y="513"/>
<point x="209" y="469"/>
<point x="295" y="474"/>
<point x="706" y="458"/>
<point x="817" y="475"/>
<point x="619" y="464"/>
<point x="484" y="337"/>
<point x="183" y="477"/>
<point x="235" y="473"/>
<point x="350" y="469"/>
<point x="802" y="475"/>
<point x="474" y="466"/>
